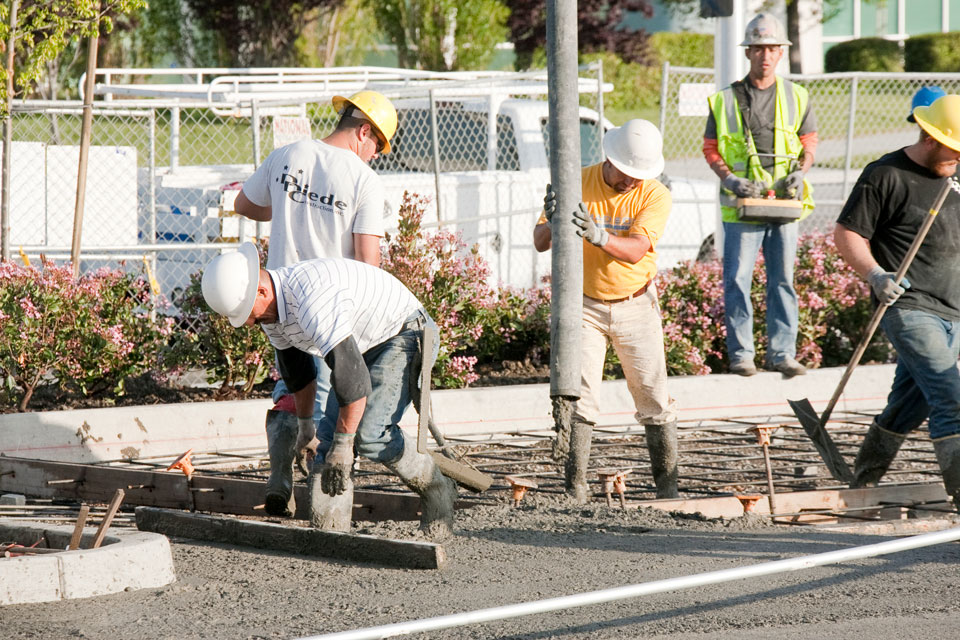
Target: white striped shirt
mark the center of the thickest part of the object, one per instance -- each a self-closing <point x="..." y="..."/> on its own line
<point x="322" y="302"/>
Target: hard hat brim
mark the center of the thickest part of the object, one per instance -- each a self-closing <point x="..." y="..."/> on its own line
<point x="920" y="114"/>
<point x="766" y="42"/>
<point x="242" y="314"/>
<point x="339" y="102"/>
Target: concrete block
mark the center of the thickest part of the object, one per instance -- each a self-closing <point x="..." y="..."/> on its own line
<point x="15" y="499"/>
<point x="29" y="579"/>
<point x="141" y="561"/>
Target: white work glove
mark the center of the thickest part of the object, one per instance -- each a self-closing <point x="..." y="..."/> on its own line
<point x="791" y="185"/>
<point x="742" y="187"/>
<point x="587" y="228"/>
<point x="884" y="285"/>
<point x="307" y="443"/>
<point x="549" y="203"/>
<point x="338" y="465"/>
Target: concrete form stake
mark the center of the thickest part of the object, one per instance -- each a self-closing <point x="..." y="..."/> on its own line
<point x="646" y="588"/>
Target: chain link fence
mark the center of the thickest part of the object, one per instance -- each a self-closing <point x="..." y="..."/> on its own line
<point x="162" y="174"/>
<point x="860" y="117"/>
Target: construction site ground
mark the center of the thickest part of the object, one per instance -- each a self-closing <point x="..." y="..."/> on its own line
<point x="547" y="547"/>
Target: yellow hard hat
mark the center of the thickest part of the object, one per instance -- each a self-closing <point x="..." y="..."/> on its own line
<point x="941" y="120"/>
<point x="377" y="108"/>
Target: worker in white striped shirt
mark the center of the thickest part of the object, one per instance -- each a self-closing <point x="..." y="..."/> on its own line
<point x="368" y="327"/>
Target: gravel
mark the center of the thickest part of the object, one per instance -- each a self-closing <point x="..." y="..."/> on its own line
<point x="546" y="548"/>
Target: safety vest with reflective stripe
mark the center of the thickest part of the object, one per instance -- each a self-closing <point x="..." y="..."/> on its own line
<point x="739" y="151"/>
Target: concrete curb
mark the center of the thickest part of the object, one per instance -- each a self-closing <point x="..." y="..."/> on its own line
<point x="127" y="560"/>
<point x="94" y="435"/>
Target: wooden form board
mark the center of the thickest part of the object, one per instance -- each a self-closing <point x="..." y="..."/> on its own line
<point x="352" y="547"/>
<point x="172" y="490"/>
<point x="796" y="502"/>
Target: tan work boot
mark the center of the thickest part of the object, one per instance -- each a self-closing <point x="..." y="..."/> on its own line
<point x="877" y="451"/>
<point x="437" y="492"/>
<point x="281" y="439"/>
<point x="662" y="446"/>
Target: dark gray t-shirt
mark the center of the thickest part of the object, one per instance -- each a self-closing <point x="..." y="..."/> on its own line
<point x="889" y="203"/>
<point x="763" y="103"/>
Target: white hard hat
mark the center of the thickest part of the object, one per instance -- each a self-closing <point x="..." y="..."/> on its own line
<point x="764" y="29"/>
<point x="636" y="149"/>
<point x="230" y="282"/>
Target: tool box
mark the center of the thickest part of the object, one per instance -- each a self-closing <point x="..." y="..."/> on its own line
<point x="768" y="210"/>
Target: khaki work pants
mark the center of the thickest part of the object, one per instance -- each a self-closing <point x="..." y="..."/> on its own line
<point x="633" y="328"/>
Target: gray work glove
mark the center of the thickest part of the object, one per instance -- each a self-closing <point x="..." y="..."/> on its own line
<point x="338" y="465"/>
<point x="307" y="443"/>
<point x="791" y="185"/>
<point x="742" y="187"/>
<point x="884" y="285"/>
<point x="587" y="228"/>
<point x="549" y="203"/>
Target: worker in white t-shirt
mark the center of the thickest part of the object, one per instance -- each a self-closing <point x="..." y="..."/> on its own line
<point x="323" y="201"/>
<point x="368" y="328"/>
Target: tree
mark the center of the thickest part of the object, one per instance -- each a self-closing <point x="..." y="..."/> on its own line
<point x="258" y="33"/>
<point x="45" y="29"/>
<point x="442" y="35"/>
<point x="599" y="28"/>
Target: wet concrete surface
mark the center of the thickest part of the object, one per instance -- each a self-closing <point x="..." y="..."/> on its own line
<point x="544" y="549"/>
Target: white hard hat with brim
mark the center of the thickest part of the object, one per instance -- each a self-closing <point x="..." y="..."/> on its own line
<point x="635" y="149"/>
<point x="230" y="281"/>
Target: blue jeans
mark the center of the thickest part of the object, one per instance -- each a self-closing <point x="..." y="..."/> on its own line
<point x="741" y="242"/>
<point x="394" y="367"/>
<point x="324" y="403"/>
<point x="926" y="382"/>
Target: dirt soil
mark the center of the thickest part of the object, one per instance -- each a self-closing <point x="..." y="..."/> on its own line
<point x="546" y="548"/>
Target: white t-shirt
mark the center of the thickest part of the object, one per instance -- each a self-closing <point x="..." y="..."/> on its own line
<point x="320" y="303"/>
<point x="320" y="196"/>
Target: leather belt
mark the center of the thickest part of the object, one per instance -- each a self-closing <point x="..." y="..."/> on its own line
<point x="636" y="294"/>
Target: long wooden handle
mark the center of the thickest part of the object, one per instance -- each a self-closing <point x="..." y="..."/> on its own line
<point x="882" y="308"/>
<point x="426" y="374"/>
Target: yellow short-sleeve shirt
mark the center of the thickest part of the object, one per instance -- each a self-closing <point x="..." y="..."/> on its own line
<point x="642" y="211"/>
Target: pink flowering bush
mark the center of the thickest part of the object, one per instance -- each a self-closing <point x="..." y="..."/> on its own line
<point x="236" y="358"/>
<point x="451" y="282"/>
<point x="517" y="326"/>
<point x="834" y="307"/>
<point x="88" y="336"/>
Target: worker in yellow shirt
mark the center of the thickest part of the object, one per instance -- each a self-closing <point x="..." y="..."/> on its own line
<point x="621" y="219"/>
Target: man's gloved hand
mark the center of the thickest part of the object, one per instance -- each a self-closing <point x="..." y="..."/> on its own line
<point x="588" y="229"/>
<point x="742" y="187"/>
<point x="549" y="202"/>
<point x="307" y="443"/>
<point x="791" y="185"/>
<point x="884" y="285"/>
<point x="338" y="465"/>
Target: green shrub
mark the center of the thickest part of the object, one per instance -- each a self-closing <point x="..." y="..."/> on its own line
<point x="933" y="52"/>
<point x="635" y="86"/>
<point x="864" y="54"/>
<point x="237" y="358"/>
<point x="683" y="49"/>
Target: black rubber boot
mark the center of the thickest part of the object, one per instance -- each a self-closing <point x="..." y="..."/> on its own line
<point x="281" y="439"/>
<point x="437" y="492"/>
<point x="948" y="456"/>
<point x="662" y="445"/>
<point x="578" y="459"/>
<point x="878" y="450"/>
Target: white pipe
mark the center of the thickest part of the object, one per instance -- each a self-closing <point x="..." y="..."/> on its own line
<point x="643" y="589"/>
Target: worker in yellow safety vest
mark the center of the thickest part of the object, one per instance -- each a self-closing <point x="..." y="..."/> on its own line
<point x="760" y="140"/>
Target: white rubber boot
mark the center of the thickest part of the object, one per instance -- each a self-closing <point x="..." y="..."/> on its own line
<point x="437" y="492"/>
<point x="281" y="440"/>
<point x="332" y="513"/>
